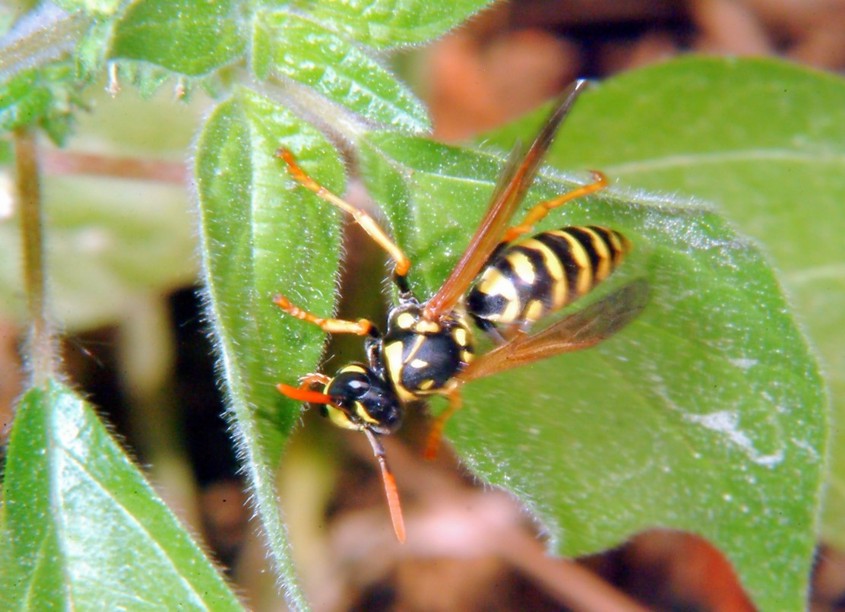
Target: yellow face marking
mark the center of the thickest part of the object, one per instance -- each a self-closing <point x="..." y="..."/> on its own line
<point x="426" y="384"/>
<point x="522" y="266"/>
<point x="353" y="367"/>
<point x="362" y="414"/>
<point x="460" y="336"/>
<point x="418" y="364"/>
<point x="339" y="418"/>
<point x="405" y="320"/>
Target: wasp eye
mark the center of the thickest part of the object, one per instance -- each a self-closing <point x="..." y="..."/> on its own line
<point x="359" y="386"/>
<point x="349" y="385"/>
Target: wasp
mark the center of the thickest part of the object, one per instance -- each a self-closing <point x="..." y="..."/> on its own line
<point x="501" y="284"/>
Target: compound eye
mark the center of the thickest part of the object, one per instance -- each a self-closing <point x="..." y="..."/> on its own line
<point x="349" y="385"/>
<point x="359" y="385"/>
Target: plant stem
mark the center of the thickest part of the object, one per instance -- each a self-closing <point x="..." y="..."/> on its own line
<point x="28" y="191"/>
<point x="42" y="36"/>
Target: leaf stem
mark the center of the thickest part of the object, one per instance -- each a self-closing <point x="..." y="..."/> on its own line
<point x="28" y="191"/>
<point x="343" y="127"/>
<point x="43" y="36"/>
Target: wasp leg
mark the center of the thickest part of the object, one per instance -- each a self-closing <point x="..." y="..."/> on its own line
<point x="435" y="434"/>
<point x="367" y="223"/>
<point x="361" y="327"/>
<point x="538" y="213"/>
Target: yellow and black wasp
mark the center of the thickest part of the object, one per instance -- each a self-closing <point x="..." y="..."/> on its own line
<point x="501" y="285"/>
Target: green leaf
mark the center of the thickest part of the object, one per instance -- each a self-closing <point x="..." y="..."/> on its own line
<point x="101" y="7"/>
<point x="192" y="38"/>
<point x="706" y="414"/>
<point x="303" y="50"/>
<point x="93" y="47"/>
<point x="262" y="235"/>
<point x="48" y="60"/>
<point x="764" y="141"/>
<point x="44" y="97"/>
<point x="83" y="529"/>
<point x="388" y="23"/>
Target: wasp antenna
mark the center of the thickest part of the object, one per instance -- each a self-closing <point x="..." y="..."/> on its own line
<point x="390" y="489"/>
<point x="304" y="394"/>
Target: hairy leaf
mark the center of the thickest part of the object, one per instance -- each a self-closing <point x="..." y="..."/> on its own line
<point x="262" y="235"/>
<point x="387" y="23"/>
<point x="192" y="38"/>
<point x="44" y="97"/>
<point x="301" y="49"/>
<point x="83" y="529"/>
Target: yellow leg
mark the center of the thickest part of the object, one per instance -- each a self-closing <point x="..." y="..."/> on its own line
<point x="435" y="434"/>
<point x="538" y="213"/>
<point x="369" y="225"/>
<point x="361" y="327"/>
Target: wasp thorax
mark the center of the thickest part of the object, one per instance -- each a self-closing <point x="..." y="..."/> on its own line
<point x="423" y="356"/>
<point x="360" y="399"/>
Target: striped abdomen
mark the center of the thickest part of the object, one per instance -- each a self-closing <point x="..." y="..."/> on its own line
<point x="525" y="281"/>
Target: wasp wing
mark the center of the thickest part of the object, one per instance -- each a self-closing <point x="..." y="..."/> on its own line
<point x="575" y="332"/>
<point x="514" y="181"/>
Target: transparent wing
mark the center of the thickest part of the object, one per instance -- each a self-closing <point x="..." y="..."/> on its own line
<point x="578" y="331"/>
<point x="513" y="183"/>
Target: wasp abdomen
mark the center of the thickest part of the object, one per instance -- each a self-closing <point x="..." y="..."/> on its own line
<point x="528" y="280"/>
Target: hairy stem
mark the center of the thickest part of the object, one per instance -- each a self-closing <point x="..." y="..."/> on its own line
<point x="43" y="36"/>
<point x="28" y="191"/>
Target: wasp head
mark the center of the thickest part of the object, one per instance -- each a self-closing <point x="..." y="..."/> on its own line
<point x="360" y="399"/>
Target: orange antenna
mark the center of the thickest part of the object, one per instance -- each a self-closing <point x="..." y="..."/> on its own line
<point x="303" y="394"/>
<point x="390" y="489"/>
